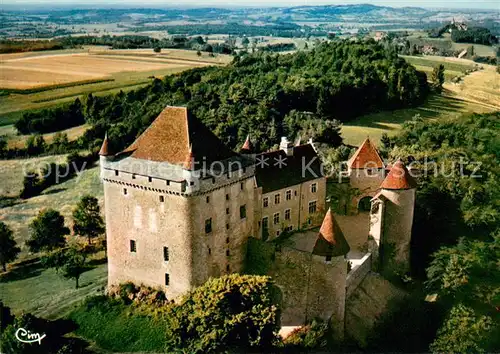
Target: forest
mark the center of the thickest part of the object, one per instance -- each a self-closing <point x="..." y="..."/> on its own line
<point x="263" y="94"/>
<point x="456" y="239"/>
<point x="477" y="35"/>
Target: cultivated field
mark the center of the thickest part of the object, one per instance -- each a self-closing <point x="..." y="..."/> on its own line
<point x="31" y="72"/>
<point x="108" y="71"/>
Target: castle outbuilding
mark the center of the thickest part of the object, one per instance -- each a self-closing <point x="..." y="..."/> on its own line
<point x="180" y="205"/>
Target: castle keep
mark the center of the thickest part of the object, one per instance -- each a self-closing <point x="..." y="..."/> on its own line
<point x="180" y="207"/>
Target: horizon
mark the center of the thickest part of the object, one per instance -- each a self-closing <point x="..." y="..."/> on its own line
<point x="491" y="5"/>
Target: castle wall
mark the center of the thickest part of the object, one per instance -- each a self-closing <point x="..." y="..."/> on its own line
<point x="368" y="184"/>
<point x="229" y="230"/>
<point x="397" y="227"/>
<point x="140" y="216"/>
<point x="311" y="288"/>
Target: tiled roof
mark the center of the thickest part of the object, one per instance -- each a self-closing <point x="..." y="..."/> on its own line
<point x="366" y="157"/>
<point x="105" y="150"/>
<point x="399" y="178"/>
<point x="271" y="175"/>
<point x="178" y="138"/>
<point x="331" y="241"/>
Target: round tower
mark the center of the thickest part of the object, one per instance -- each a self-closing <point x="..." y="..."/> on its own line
<point x="399" y="190"/>
<point x="105" y="152"/>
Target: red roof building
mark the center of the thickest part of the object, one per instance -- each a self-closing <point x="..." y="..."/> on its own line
<point x="366" y="156"/>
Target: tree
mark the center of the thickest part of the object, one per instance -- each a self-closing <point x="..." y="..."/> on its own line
<point x="245" y="42"/>
<point x="8" y="247"/>
<point x="157" y="50"/>
<point x="198" y="53"/>
<point x="231" y="313"/>
<point x="47" y="231"/>
<point x="74" y="264"/>
<point x="437" y="78"/>
<point x="87" y="219"/>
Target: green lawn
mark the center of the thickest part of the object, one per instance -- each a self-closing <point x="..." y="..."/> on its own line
<point x="62" y="197"/>
<point x="119" y="328"/>
<point x="375" y="124"/>
<point x="45" y="293"/>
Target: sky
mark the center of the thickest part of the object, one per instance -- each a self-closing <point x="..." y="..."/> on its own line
<point x="479" y="4"/>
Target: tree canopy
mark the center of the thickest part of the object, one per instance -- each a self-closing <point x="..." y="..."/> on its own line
<point x="87" y="219"/>
<point x="8" y="246"/>
<point x="47" y="231"/>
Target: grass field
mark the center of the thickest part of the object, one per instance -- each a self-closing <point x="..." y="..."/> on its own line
<point x="477" y="92"/>
<point x="45" y="293"/>
<point x="19" y="141"/>
<point x="62" y="197"/>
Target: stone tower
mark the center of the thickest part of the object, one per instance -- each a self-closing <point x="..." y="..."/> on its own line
<point x="330" y="249"/>
<point x="391" y="220"/>
<point x="178" y="206"/>
<point x="366" y="171"/>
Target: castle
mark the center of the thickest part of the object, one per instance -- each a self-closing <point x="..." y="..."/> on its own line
<point x="180" y="207"/>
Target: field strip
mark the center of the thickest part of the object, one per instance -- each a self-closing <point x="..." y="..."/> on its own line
<point x="37" y="57"/>
<point x="174" y="60"/>
<point x="53" y="71"/>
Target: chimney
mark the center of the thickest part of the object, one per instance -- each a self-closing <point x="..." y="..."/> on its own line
<point x="286" y="146"/>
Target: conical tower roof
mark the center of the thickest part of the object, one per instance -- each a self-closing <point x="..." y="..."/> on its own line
<point x="105" y="150"/>
<point x="331" y="241"/>
<point x="366" y="156"/>
<point x="247" y="146"/>
<point x="399" y="178"/>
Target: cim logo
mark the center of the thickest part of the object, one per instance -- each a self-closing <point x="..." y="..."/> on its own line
<point x="26" y="336"/>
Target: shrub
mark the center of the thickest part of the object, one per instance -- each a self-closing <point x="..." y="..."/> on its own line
<point x="227" y="314"/>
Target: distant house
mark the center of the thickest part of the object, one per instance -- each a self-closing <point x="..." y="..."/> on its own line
<point x="380" y="36"/>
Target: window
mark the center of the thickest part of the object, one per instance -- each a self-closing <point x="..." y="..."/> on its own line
<point x="243" y="211"/>
<point x="265" y="223"/>
<point x="191" y="183"/>
<point x="162" y="199"/>
<point x="277" y="199"/>
<point x="289" y="228"/>
<point x="227" y="253"/>
<point x="165" y="254"/>
<point x="288" y="213"/>
<point x="133" y="176"/>
<point x="265" y="202"/>
<point x="227" y="226"/>
<point x="116" y="172"/>
<point x="208" y="226"/>
<point x="278" y="233"/>
<point x="124" y="191"/>
<point x="150" y="179"/>
<point x="227" y="211"/>
<point x="295" y="193"/>
<point x="227" y="268"/>
<point x="209" y="251"/>
<point x="276" y="218"/>
<point x="168" y="183"/>
<point x="312" y="207"/>
<point x="370" y="171"/>
<point x="328" y="259"/>
<point x="242" y="186"/>
<point x="314" y="188"/>
<point x="227" y="196"/>
<point x="208" y="199"/>
<point x="133" y="246"/>
<point x="288" y="195"/>
<point x="167" y="279"/>
<point x="227" y="239"/>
